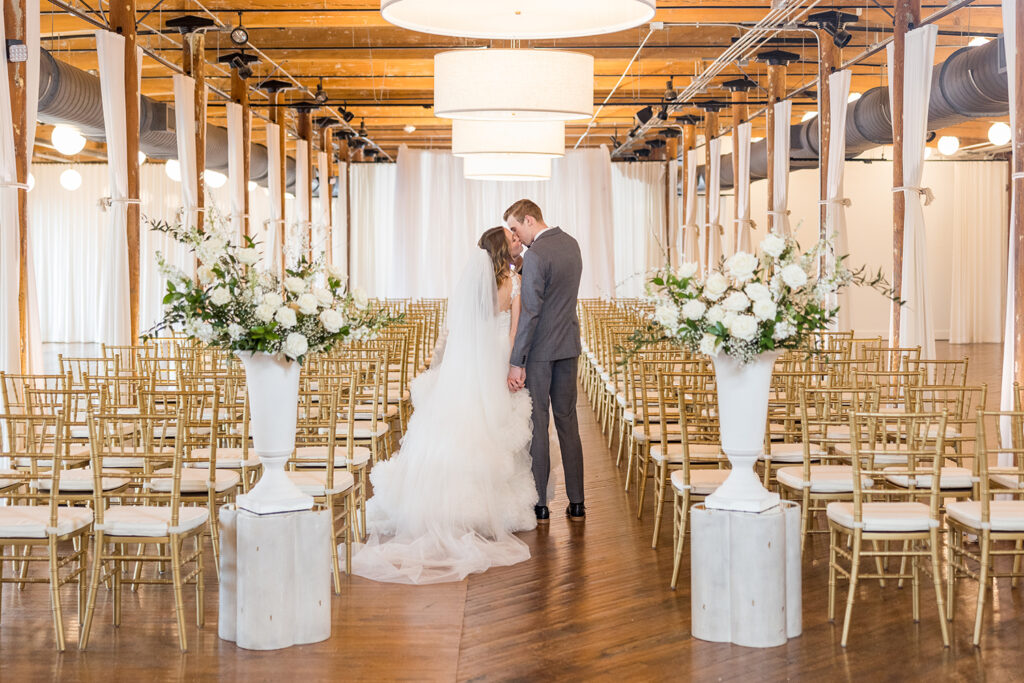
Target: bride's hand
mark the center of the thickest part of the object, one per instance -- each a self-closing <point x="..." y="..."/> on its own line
<point x="516" y="378"/>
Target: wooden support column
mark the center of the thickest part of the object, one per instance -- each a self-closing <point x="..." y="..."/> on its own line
<point x="740" y="112"/>
<point x="194" y="64"/>
<point x="240" y="95"/>
<point x="122" y="20"/>
<point x="277" y="115"/>
<point x="907" y="17"/>
<point x="15" y="29"/>
<point x="344" y="155"/>
<point x="689" y="142"/>
<point x="710" y="132"/>
<point x="305" y="194"/>
<point x="671" y="154"/>
<point x="1017" y="197"/>
<point x="829" y="59"/>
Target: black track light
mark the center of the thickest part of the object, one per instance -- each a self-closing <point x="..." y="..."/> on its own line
<point x="239" y="35"/>
<point x="644" y="115"/>
<point x="362" y="128"/>
<point x="320" y="95"/>
<point x="670" y="91"/>
<point x="347" y="115"/>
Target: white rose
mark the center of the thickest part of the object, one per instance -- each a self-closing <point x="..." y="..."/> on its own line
<point x="773" y="245"/>
<point x="295" y="285"/>
<point x="360" y="299"/>
<point x="295" y="345"/>
<point x="715" y="314"/>
<point x="265" y="312"/>
<point x="307" y="303"/>
<point x="247" y="256"/>
<point x="205" y="274"/>
<point x="235" y="331"/>
<point x="220" y="296"/>
<point x="694" y="309"/>
<point x="331" y="320"/>
<point x="335" y="272"/>
<point x="765" y="309"/>
<point x="324" y="296"/>
<point x="783" y="330"/>
<point x="687" y="270"/>
<point x="794" y="276"/>
<point x="709" y="345"/>
<point x="737" y="301"/>
<point x="715" y="286"/>
<point x="743" y="327"/>
<point x="285" y="317"/>
<point x="667" y="316"/>
<point x="757" y="292"/>
<point x="273" y="299"/>
<point x="741" y="265"/>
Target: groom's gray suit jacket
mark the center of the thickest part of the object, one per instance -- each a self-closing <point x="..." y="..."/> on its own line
<point x="549" y="328"/>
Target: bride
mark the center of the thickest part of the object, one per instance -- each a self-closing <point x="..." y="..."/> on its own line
<point x="448" y="503"/>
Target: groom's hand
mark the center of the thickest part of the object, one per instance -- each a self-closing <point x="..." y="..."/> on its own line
<point x="516" y="378"/>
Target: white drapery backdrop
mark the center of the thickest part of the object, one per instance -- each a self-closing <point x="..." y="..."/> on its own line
<point x="638" y="204"/>
<point x="272" y="228"/>
<point x="673" y="209"/>
<point x="321" y="222"/>
<point x="713" y="228"/>
<point x="691" y="230"/>
<point x="743" y="224"/>
<point x="372" y="188"/>
<point x="440" y="215"/>
<point x="185" y="129"/>
<point x="779" y="216"/>
<point x="339" y="218"/>
<point x="302" y="182"/>
<point x="835" y="202"/>
<point x="916" y="324"/>
<point x="237" y="182"/>
<point x="1010" y="8"/>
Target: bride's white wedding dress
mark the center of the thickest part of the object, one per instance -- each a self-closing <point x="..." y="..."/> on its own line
<point x="449" y="501"/>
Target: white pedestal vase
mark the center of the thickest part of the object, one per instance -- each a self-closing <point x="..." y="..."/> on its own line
<point x="742" y="413"/>
<point x="273" y="385"/>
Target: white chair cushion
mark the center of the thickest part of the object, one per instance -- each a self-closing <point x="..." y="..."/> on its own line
<point x="150" y="520"/>
<point x="892" y="457"/>
<point x="950" y="478"/>
<point x="33" y="521"/>
<point x="702" y="482"/>
<point x="698" y="451"/>
<point x="673" y="433"/>
<point x="363" y="430"/>
<point x="793" y="452"/>
<point x="227" y="458"/>
<point x="314" y="483"/>
<point x="390" y="412"/>
<point x="1004" y="515"/>
<point x="5" y="482"/>
<point x="884" y="516"/>
<point x="824" y="478"/>
<point x="196" y="480"/>
<point x="1006" y="480"/>
<point x="81" y="480"/>
<point x="317" y="456"/>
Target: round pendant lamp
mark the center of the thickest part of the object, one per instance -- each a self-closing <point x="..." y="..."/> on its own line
<point x="506" y="167"/>
<point x="539" y="138"/>
<point x="67" y="140"/>
<point x="522" y="19"/>
<point x="513" y="85"/>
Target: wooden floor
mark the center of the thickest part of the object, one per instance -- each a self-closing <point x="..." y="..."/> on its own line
<point x="592" y="603"/>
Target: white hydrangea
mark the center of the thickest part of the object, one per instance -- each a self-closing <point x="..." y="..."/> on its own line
<point x="307" y="303"/>
<point x="736" y="302"/>
<point x="265" y="312"/>
<point x="687" y="270"/>
<point x="360" y="299"/>
<point x="694" y="309"/>
<point x="794" y="276"/>
<point x="743" y="327"/>
<point x="273" y="299"/>
<point x="211" y="250"/>
<point x="205" y="274"/>
<point x="220" y="296"/>
<point x="332" y="320"/>
<point x="709" y="345"/>
<point x="741" y="266"/>
<point x="285" y="317"/>
<point x="757" y="291"/>
<point x="295" y="285"/>
<point x="323" y="295"/>
<point x="715" y="286"/>
<point x="667" y="316"/>
<point x="765" y="309"/>
<point x="773" y="245"/>
<point x="295" y="345"/>
<point x="247" y="256"/>
<point x="783" y="330"/>
<point x="235" y="331"/>
<point x="200" y="330"/>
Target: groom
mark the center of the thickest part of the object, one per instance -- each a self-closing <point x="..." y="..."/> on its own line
<point x="547" y="348"/>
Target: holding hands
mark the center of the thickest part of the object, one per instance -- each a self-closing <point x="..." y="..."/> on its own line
<point x="516" y="378"/>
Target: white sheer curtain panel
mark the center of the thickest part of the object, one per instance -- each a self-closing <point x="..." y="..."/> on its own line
<point x="741" y="185"/>
<point x="834" y="201"/>
<point x="237" y="182"/>
<point x="780" y="166"/>
<point x="373" y="227"/>
<point x="272" y="229"/>
<point x="713" y="229"/>
<point x="321" y="224"/>
<point x="185" y="129"/>
<point x="302" y="182"/>
<point x="1009" y="376"/>
<point x="691" y="229"/>
<point x="115" y="315"/>
<point x="916" y="324"/>
<point x="638" y="203"/>
<point x="339" y="221"/>
<point x="672" y="188"/>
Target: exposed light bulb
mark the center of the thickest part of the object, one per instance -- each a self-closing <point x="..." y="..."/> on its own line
<point x="70" y="180"/>
<point x="948" y="145"/>
<point x="854" y="96"/>
<point x="214" y="179"/>
<point x="67" y="140"/>
<point x="173" y="170"/>
<point x="999" y="134"/>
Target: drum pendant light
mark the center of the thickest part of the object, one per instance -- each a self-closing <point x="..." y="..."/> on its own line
<point x="522" y="19"/>
<point x="506" y="167"/>
<point x="539" y="138"/>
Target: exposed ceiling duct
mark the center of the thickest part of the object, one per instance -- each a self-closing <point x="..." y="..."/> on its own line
<point x="970" y="84"/>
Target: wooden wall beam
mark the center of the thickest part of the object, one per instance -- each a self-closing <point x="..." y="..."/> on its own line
<point x="194" y="65"/>
<point x="1017" y="196"/>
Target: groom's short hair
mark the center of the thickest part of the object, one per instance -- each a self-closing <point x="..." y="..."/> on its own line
<point x="523" y="208"/>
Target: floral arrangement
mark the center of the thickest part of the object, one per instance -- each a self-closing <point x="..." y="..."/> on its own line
<point x="752" y="303"/>
<point x="233" y="304"/>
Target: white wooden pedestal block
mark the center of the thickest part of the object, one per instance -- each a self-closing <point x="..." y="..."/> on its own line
<point x="275" y="578"/>
<point x="745" y="575"/>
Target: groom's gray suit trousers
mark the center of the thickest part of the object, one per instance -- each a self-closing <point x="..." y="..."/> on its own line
<point x="552" y="384"/>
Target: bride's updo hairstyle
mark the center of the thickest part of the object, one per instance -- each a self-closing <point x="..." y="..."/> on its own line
<point x="494" y="243"/>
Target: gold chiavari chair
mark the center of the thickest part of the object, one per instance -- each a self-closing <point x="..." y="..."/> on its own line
<point x="892" y="386"/>
<point x="990" y="520"/>
<point x="945" y="373"/>
<point x="892" y="358"/>
<point x="156" y="516"/>
<point x="73" y="406"/>
<point x="127" y="357"/>
<point x="41" y="517"/>
<point x="369" y="369"/>
<point x="13" y="387"/>
<point x="890" y="517"/>
<point x="75" y="369"/>
<point x="230" y="447"/>
<point x="783" y="445"/>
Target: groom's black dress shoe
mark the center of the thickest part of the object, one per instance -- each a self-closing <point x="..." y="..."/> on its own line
<point x="542" y="513"/>
<point x="576" y="512"/>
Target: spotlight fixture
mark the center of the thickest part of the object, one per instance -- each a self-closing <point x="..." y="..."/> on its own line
<point x="347" y="115"/>
<point x="362" y="128"/>
<point x="320" y="95"/>
<point x="239" y="36"/>
<point x="670" y="92"/>
<point x="644" y="115"/>
<point x="663" y="112"/>
<point x="17" y="51"/>
<point x="930" y="136"/>
<point x="240" y="61"/>
<point x="642" y="152"/>
<point x="632" y="133"/>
